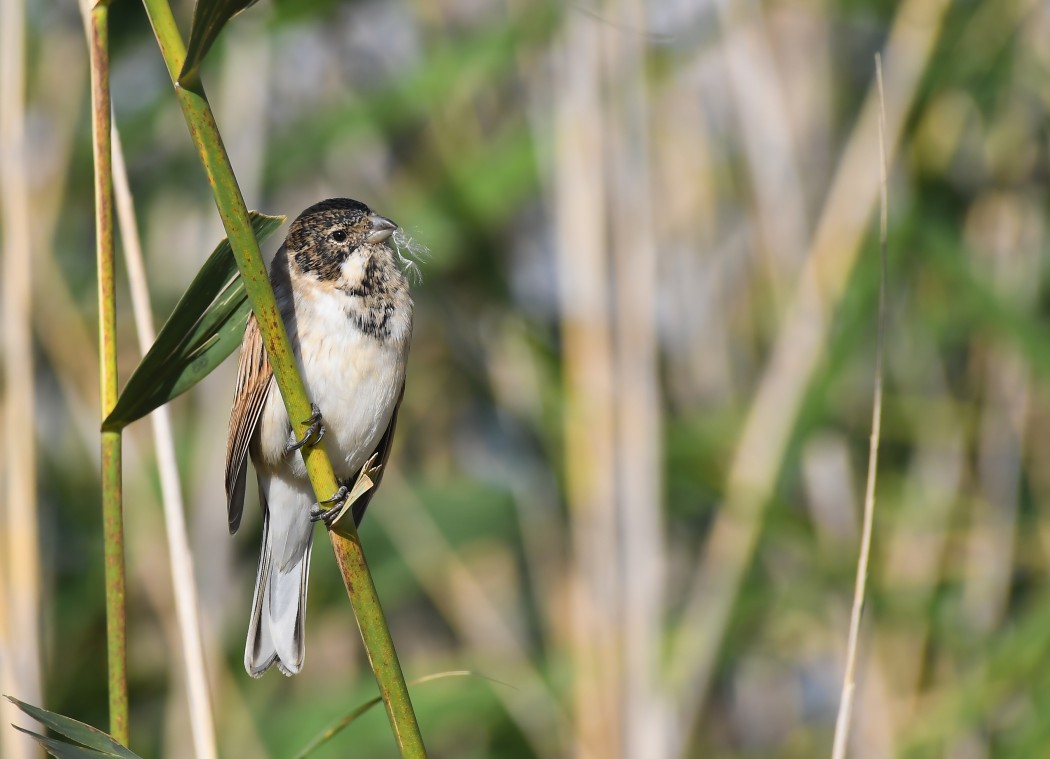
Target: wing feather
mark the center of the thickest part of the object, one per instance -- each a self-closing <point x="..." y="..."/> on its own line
<point x="253" y="386"/>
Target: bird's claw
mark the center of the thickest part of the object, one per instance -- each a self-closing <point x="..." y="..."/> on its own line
<point x="313" y="433"/>
<point x="329" y="515"/>
<point x="345" y="496"/>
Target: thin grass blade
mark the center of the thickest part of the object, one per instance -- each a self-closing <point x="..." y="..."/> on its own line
<point x="331" y="731"/>
<point x="336" y="727"/>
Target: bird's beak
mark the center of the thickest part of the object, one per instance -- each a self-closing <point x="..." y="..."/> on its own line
<point x="382" y="228"/>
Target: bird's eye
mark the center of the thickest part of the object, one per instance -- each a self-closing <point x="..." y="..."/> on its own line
<point x="338" y="235"/>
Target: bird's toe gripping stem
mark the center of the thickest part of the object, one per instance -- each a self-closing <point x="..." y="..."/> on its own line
<point x="320" y="514"/>
<point x="313" y="433"/>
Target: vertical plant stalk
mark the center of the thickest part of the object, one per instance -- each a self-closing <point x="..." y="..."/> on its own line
<point x="348" y="551"/>
<point x="639" y="460"/>
<point x="849" y="684"/>
<point x="19" y="535"/>
<point x="112" y="507"/>
<point x="759" y="100"/>
<point x="186" y="603"/>
<point x="579" y="176"/>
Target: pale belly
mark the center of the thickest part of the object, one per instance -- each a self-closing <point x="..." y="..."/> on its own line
<point x="353" y="378"/>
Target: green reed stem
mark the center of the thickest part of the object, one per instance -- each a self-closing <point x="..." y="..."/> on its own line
<point x="234" y="214"/>
<point x="116" y="624"/>
<point x="112" y="509"/>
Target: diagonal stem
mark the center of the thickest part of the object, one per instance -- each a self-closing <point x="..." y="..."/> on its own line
<point x="234" y="214"/>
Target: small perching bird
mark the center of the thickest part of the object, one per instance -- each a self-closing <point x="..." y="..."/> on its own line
<point x="346" y="306"/>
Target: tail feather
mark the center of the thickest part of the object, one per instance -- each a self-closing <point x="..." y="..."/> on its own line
<point x="260" y="652"/>
<point x="287" y="613"/>
<point x="275" y="631"/>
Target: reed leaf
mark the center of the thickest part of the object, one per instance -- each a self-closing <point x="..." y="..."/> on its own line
<point x="205" y="327"/>
<point x="93" y="742"/>
<point x="209" y="17"/>
<point x="61" y="749"/>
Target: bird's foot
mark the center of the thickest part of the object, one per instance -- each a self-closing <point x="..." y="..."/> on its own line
<point x="345" y="497"/>
<point x="329" y="516"/>
<point x="313" y="433"/>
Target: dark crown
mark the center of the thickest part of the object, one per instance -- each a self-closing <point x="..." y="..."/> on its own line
<point x="335" y="204"/>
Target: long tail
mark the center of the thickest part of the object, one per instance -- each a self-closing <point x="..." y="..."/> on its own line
<point x="275" y="632"/>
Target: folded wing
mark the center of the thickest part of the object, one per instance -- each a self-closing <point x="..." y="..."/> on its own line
<point x="253" y="385"/>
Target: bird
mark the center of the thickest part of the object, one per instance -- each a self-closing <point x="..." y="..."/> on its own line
<point x="346" y="306"/>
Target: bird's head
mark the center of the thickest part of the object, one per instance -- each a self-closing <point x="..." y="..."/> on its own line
<point x="325" y="239"/>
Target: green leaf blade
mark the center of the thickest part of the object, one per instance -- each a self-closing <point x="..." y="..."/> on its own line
<point x="63" y="750"/>
<point x="209" y="17"/>
<point x="93" y="742"/>
<point x="205" y="327"/>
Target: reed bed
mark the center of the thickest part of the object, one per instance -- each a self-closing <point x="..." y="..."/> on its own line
<point x="628" y="482"/>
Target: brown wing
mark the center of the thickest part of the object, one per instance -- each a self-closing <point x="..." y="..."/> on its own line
<point x="383" y="450"/>
<point x="253" y="385"/>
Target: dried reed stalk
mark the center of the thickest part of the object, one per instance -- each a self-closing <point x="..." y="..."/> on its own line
<point x="19" y="539"/>
<point x="849" y="685"/>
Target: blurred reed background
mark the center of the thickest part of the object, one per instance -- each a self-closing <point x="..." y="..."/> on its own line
<point x="627" y="480"/>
